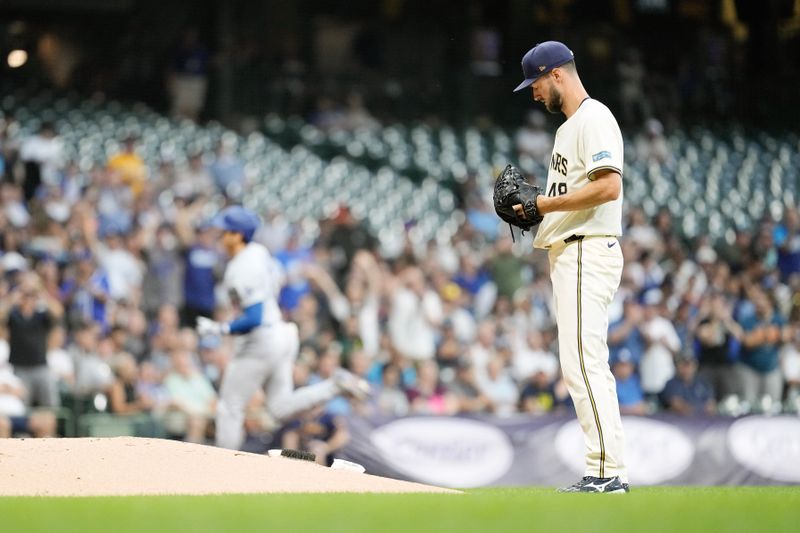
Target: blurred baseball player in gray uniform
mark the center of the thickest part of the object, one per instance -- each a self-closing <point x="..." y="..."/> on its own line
<point x="582" y="209"/>
<point x="266" y="345"/>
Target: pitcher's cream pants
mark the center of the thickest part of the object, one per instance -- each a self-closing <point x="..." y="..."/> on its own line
<point x="585" y="276"/>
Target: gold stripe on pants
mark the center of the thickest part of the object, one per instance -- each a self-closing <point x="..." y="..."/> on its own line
<point x="583" y="367"/>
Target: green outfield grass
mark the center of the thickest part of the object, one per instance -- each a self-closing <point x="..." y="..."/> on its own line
<point x="674" y="509"/>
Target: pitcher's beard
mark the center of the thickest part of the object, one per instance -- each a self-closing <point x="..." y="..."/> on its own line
<point x="554" y="103"/>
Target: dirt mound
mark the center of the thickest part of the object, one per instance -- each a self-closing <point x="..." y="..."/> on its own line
<point x="123" y="466"/>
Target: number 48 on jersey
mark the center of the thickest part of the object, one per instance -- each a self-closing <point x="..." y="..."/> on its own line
<point x="557" y="189"/>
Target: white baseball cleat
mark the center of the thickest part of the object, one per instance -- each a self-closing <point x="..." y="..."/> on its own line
<point x="351" y="385"/>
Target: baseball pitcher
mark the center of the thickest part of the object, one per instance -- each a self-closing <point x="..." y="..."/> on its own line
<point x="579" y="217"/>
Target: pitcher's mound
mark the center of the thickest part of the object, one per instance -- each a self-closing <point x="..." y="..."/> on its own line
<point x="124" y="466"/>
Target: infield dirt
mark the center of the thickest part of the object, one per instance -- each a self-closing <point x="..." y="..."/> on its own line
<point x="126" y="466"/>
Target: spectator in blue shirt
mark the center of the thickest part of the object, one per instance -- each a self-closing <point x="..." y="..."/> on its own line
<point x="629" y="390"/>
<point x="687" y="393"/>
<point x="408" y="374"/>
<point x="471" y="275"/>
<point x="787" y="239"/>
<point x="294" y="258"/>
<point x="625" y="335"/>
<point x="86" y="292"/>
<point x="764" y="333"/>
<point x="202" y="265"/>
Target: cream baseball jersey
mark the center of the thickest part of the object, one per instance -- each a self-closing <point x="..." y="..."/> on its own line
<point x="589" y="141"/>
<point x="250" y="279"/>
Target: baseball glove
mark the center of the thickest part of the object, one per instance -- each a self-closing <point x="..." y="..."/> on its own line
<point x="515" y="200"/>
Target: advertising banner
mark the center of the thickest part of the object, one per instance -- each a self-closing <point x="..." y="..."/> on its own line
<point x="469" y="452"/>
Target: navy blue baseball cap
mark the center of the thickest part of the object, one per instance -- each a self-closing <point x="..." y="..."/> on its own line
<point x="543" y="58"/>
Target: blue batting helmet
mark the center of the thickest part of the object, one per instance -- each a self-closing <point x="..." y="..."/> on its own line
<point x="238" y="220"/>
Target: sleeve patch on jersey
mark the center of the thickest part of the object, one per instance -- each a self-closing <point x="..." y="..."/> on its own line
<point x="605" y="154"/>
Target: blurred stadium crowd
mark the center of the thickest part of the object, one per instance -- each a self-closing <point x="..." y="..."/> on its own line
<point x="107" y="261"/>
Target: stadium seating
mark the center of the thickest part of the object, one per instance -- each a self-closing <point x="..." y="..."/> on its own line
<point x="717" y="180"/>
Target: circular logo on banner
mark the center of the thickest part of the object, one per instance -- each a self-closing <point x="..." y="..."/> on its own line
<point x="453" y="452"/>
<point x="655" y="451"/>
<point x="769" y="446"/>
